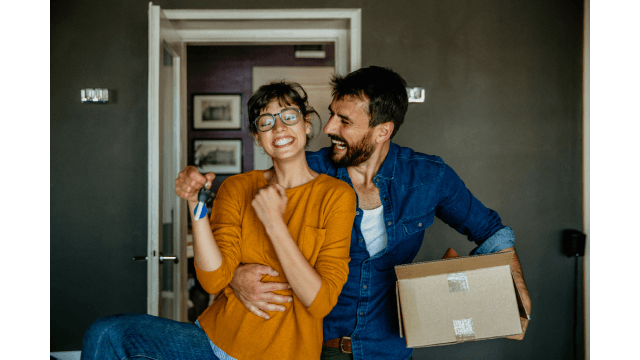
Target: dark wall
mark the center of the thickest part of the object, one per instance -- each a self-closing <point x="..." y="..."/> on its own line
<point x="98" y="165"/>
<point x="503" y="108"/>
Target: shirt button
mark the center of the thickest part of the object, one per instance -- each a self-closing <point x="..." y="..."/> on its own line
<point x="354" y="336"/>
<point x="389" y="223"/>
<point x="357" y="212"/>
<point x="364" y="287"/>
<point x="361" y="313"/>
<point x="420" y="225"/>
<point x="361" y="240"/>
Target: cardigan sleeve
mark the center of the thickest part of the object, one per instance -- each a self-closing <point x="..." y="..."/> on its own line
<point x="333" y="259"/>
<point x="225" y="223"/>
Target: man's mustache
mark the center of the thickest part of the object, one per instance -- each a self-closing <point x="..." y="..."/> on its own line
<point x="338" y="138"/>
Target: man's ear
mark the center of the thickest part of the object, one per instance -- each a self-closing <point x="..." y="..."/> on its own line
<point x="384" y="132"/>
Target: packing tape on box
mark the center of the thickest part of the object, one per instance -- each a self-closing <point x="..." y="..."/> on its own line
<point x="458" y="282"/>
<point x="464" y="329"/>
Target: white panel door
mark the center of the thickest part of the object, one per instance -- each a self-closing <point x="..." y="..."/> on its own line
<point x="166" y="214"/>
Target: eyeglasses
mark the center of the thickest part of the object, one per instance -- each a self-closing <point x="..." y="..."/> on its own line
<point x="288" y="116"/>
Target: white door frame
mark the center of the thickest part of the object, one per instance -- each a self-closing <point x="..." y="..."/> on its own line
<point x="339" y="26"/>
<point x="159" y="208"/>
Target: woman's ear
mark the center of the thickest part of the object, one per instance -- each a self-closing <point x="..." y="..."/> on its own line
<point x="307" y="124"/>
<point x="257" y="139"/>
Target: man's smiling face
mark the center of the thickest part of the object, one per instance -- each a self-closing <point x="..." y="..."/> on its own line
<point x="348" y="128"/>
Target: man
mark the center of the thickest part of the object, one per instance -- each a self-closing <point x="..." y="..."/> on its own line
<point x="399" y="194"/>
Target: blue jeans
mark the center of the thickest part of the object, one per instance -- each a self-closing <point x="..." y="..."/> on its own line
<point x="131" y="336"/>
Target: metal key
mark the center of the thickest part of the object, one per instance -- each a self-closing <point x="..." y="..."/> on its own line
<point x="203" y="196"/>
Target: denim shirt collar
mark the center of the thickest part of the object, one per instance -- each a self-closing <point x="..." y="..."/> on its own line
<point x="387" y="170"/>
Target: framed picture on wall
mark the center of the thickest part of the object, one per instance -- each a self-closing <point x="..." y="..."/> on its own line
<point x="211" y="111"/>
<point x="221" y="156"/>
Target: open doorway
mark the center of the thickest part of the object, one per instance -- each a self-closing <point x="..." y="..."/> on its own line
<point x="340" y="27"/>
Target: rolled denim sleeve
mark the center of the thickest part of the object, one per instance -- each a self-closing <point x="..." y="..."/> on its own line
<point x="502" y="239"/>
<point x="458" y="208"/>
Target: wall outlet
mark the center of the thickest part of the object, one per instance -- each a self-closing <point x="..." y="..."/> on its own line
<point x="573" y="243"/>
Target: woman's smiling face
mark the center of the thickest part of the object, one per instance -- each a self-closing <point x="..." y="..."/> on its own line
<point x="283" y="141"/>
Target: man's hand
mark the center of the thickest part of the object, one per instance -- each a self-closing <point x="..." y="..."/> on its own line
<point x="255" y="294"/>
<point x="450" y="254"/>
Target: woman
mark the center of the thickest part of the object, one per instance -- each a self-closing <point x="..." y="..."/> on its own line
<point x="288" y="217"/>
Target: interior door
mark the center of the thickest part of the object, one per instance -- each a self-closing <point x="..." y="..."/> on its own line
<point x="166" y="250"/>
<point x="315" y="81"/>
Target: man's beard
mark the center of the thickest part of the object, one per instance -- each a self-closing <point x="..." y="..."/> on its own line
<point x="356" y="154"/>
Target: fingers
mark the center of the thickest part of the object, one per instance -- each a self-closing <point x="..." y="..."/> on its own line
<point x="281" y="190"/>
<point x="274" y="286"/>
<point x="264" y="270"/>
<point x="271" y="195"/>
<point x="515" y="337"/>
<point x="194" y="177"/>
<point x="190" y="181"/>
<point x="259" y="309"/>
<point x="184" y="189"/>
<point x="450" y="254"/>
<point x="209" y="178"/>
<point x="277" y="188"/>
<point x="272" y="298"/>
<point x="265" y="294"/>
<point x="265" y="306"/>
<point x="258" y="312"/>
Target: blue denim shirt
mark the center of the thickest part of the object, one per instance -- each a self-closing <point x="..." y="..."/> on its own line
<point x="414" y="188"/>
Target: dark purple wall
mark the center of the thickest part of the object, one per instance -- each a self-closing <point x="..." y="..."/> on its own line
<point x="227" y="69"/>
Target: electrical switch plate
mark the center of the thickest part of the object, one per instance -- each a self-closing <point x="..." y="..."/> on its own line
<point x="416" y="94"/>
<point x="94" y="95"/>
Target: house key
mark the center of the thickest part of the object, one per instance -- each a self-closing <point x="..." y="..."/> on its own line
<point x="203" y="196"/>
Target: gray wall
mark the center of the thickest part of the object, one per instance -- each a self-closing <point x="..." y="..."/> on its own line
<point x="503" y="80"/>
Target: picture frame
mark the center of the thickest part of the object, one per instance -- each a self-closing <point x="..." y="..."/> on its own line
<point x="220" y="156"/>
<point x="217" y="111"/>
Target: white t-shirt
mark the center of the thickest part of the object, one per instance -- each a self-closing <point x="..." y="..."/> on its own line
<point x="373" y="230"/>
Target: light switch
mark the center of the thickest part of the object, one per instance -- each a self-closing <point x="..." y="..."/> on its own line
<point x="416" y="94"/>
<point x="94" y="95"/>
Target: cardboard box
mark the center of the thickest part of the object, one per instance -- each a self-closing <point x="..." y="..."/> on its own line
<point x="460" y="299"/>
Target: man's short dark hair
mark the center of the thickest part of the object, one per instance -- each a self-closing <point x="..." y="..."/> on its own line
<point x="384" y="89"/>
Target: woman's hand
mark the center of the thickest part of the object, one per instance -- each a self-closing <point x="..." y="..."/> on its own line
<point x="207" y="254"/>
<point x="190" y="181"/>
<point x="270" y="203"/>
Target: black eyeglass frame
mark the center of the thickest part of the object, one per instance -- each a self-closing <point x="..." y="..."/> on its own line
<point x="273" y="116"/>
